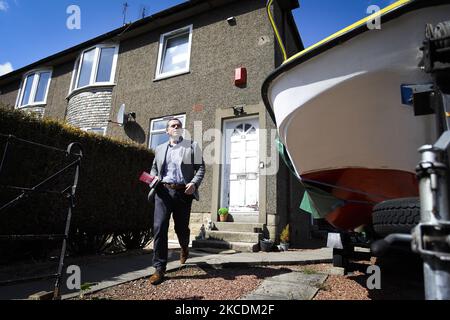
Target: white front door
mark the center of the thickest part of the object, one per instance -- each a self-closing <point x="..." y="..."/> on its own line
<point x="240" y="175"/>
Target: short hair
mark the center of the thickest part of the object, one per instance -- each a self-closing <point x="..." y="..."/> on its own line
<point x="173" y="119"/>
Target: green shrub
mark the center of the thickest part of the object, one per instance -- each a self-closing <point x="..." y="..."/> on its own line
<point x="110" y="199"/>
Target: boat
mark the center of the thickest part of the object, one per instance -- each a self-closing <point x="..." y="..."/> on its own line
<point x="340" y="114"/>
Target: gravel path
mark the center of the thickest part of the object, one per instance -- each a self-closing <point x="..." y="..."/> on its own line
<point x="194" y="283"/>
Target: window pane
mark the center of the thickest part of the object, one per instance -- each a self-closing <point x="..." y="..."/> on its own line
<point x="158" y="138"/>
<point x="176" y="53"/>
<point x="27" y="90"/>
<point x="42" y="87"/>
<point x="77" y="67"/>
<point x="86" y="68"/>
<point x="159" y="125"/>
<point x="162" y="124"/>
<point x="105" y="65"/>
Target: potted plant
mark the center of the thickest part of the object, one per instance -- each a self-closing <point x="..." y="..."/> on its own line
<point x="223" y="214"/>
<point x="284" y="238"/>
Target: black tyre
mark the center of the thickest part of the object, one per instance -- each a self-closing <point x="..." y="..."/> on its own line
<point x="396" y="216"/>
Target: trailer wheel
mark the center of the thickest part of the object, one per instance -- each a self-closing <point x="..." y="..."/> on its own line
<point x="396" y="216"/>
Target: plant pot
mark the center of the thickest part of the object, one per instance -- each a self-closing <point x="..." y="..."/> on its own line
<point x="284" y="246"/>
<point x="266" y="245"/>
<point x="223" y="217"/>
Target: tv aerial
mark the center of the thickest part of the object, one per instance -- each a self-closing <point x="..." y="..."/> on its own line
<point x="123" y="117"/>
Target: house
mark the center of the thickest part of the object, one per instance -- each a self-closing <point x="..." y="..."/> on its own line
<point x="203" y="61"/>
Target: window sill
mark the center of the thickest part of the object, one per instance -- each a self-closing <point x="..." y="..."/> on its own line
<point x="35" y="105"/>
<point x="90" y="88"/>
<point x="170" y="75"/>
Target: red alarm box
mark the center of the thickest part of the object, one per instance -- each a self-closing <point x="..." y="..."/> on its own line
<point x="240" y="76"/>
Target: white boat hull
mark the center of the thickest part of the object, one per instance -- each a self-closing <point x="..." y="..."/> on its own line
<point x="342" y="109"/>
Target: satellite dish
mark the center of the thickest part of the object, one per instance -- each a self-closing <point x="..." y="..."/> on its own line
<point x="121" y="116"/>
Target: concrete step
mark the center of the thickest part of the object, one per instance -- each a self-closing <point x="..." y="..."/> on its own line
<point x="237" y="246"/>
<point x="231" y="236"/>
<point x="238" y="227"/>
<point x="244" y="217"/>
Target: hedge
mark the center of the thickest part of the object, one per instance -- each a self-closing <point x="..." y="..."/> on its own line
<point x="110" y="199"/>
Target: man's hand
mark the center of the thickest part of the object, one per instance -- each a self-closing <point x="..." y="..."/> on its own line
<point x="190" y="189"/>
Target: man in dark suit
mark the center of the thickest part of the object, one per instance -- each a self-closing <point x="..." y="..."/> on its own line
<point x="179" y="166"/>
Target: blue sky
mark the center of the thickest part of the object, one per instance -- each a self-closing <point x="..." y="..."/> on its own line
<point x="31" y="30"/>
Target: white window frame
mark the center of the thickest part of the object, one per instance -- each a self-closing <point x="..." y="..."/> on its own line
<point x="182" y="117"/>
<point x="95" y="65"/>
<point x="95" y="130"/>
<point x="162" y="50"/>
<point x="34" y="86"/>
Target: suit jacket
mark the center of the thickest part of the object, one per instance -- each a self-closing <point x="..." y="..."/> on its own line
<point x="192" y="164"/>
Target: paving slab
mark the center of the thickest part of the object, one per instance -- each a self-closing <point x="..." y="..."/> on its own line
<point x="290" y="286"/>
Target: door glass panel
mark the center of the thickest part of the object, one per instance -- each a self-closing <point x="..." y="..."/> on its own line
<point x="251" y="194"/>
<point x="237" y="193"/>
<point x="236" y="166"/>
<point x="251" y="164"/>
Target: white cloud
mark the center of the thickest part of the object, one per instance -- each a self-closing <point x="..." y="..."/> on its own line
<point x="6" y="68"/>
<point x="4" y="6"/>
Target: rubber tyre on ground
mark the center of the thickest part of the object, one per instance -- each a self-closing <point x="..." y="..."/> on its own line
<point x="396" y="216"/>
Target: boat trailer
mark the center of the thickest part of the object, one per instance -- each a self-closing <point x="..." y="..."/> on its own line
<point x="431" y="237"/>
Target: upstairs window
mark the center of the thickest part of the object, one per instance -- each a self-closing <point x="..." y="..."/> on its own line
<point x="34" y="88"/>
<point x="95" y="66"/>
<point x="174" y="53"/>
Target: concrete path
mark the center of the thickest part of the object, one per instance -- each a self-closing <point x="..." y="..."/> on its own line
<point x="289" y="286"/>
<point x="106" y="272"/>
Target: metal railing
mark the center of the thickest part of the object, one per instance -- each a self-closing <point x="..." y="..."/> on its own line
<point x="74" y="151"/>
